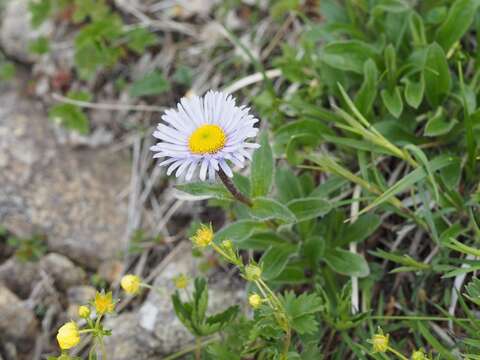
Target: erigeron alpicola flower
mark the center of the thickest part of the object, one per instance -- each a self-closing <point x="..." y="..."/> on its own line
<point x="207" y="134"/>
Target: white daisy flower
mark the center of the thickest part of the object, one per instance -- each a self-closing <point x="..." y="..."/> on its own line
<point x="203" y="133"/>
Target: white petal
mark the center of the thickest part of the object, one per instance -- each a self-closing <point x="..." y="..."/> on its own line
<point x="203" y="169"/>
<point x="191" y="171"/>
<point x="175" y="165"/>
<point x="182" y="167"/>
<point x="226" y="169"/>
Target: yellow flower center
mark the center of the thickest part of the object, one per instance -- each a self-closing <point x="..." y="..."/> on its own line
<point x="204" y="236"/>
<point x="207" y="139"/>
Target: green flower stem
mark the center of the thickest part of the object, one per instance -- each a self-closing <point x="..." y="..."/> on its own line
<point x="198" y="349"/>
<point x="233" y="189"/>
<point x="189" y="349"/>
<point x="399" y="355"/>
<point x="420" y="318"/>
<point x="282" y="318"/>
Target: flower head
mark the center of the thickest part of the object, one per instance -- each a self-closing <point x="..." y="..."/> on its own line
<point x="131" y="284"/>
<point x="205" y="132"/>
<point x="68" y="335"/>
<point x="255" y="301"/>
<point x="419" y="355"/>
<point x="253" y="272"/>
<point x="380" y="342"/>
<point x="203" y="236"/>
<point x="181" y="281"/>
<point x="84" y="311"/>
<point x="104" y="303"/>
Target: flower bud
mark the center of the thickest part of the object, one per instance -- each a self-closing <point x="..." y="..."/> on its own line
<point x="68" y="335"/>
<point x="181" y="281"/>
<point x="419" y="355"/>
<point x="84" y="311"/>
<point x="380" y="343"/>
<point x="253" y="272"/>
<point x="130" y="284"/>
<point x="255" y="301"/>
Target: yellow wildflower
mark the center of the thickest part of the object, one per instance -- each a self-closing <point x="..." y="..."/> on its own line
<point x="131" y="284"/>
<point x="84" y="311"/>
<point x="419" y="355"/>
<point x="104" y="303"/>
<point x="380" y="342"/>
<point x="255" y="301"/>
<point x="68" y="335"/>
<point x="181" y="281"/>
<point x="203" y="236"/>
<point x="253" y="272"/>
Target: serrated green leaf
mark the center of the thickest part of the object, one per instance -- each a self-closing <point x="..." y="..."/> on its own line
<point x="153" y="83"/>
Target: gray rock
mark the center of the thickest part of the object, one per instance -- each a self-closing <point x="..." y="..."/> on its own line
<point x="16" y="31"/>
<point x="80" y="295"/>
<point x="62" y="270"/>
<point x="69" y="195"/>
<point x="17" y="321"/>
<point x="19" y="276"/>
<point x="155" y="327"/>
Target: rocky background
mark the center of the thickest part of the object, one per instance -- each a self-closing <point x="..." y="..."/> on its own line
<point x="71" y="205"/>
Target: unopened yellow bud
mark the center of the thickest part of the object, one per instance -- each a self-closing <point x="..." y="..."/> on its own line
<point x="131" y="284"/>
<point x="84" y="311"/>
<point x="68" y="335"/>
<point x="255" y="301"/>
<point x="203" y="236"/>
<point x="380" y="343"/>
<point x="227" y="245"/>
<point x="181" y="281"/>
<point x="253" y="272"/>
<point x="419" y="355"/>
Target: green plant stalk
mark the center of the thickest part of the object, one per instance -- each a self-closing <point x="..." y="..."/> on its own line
<point x="198" y="348"/>
<point x="189" y="349"/>
<point x="469" y="136"/>
<point x="397" y="353"/>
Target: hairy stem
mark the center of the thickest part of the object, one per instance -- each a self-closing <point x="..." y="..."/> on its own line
<point x="198" y="349"/>
<point x="233" y="189"/>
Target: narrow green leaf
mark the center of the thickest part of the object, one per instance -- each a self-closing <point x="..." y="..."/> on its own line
<point x="347" y="263"/>
<point x="309" y="208"/>
<point x="392" y="99"/>
<point x="275" y="259"/>
<point x="348" y="55"/>
<point x="202" y="188"/>
<point x="460" y="17"/>
<point x="414" y="91"/>
<point x="262" y="168"/>
<point x="368" y="91"/>
<point x="437" y="75"/>
<point x="269" y="209"/>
